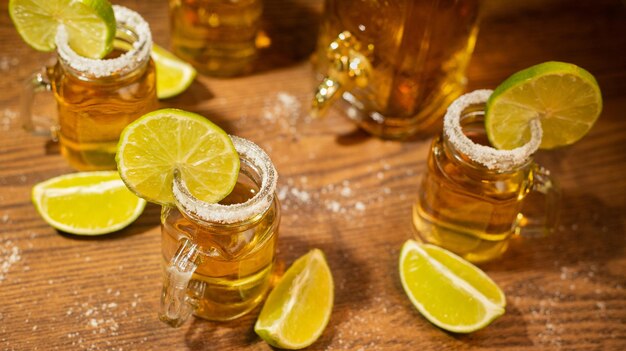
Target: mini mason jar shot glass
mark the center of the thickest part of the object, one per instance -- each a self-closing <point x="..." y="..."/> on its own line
<point x="218" y="37"/>
<point x="473" y="197"/>
<point x="96" y="98"/>
<point x="218" y="258"/>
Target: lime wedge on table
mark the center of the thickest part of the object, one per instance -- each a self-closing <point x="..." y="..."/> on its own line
<point x="90" y="24"/>
<point x="298" y="309"/>
<point x="173" y="75"/>
<point x="450" y="292"/>
<point x="153" y="147"/>
<point x="87" y="203"/>
<point x="564" y="97"/>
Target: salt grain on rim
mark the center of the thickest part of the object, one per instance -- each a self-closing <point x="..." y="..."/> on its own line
<point x="218" y="213"/>
<point x="494" y="159"/>
<point x="106" y="67"/>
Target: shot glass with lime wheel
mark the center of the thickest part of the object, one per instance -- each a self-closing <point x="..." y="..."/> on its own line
<point x="103" y="78"/>
<point x="482" y="185"/>
<point x="219" y="218"/>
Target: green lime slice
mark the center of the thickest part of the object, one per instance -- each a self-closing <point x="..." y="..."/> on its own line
<point x="450" y="292"/>
<point x="298" y="309"/>
<point x="564" y="97"/>
<point x="90" y="24"/>
<point x="87" y="203"/>
<point x="173" y="75"/>
<point x="161" y="142"/>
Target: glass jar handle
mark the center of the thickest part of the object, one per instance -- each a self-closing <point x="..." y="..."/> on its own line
<point x="541" y="206"/>
<point x="180" y="296"/>
<point x="36" y="83"/>
<point x="349" y="66"/>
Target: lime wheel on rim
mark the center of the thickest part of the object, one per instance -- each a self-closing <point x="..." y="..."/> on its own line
<point x="90" y="24"/>
<point x="565" y="98"/>
<point x="162" y="142"/>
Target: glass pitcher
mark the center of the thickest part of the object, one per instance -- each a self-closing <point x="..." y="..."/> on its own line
<point x="393" y="66"/>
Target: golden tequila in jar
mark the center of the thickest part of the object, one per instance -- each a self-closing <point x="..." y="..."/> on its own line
<point x="393" y="66"/>
<point x="216" y="36"/>
<point x="474" y="198"/>
<point x="218" y="257"/>
<point x="96" y="99"/>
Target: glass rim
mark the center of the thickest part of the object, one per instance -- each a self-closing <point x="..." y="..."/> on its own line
<point x="490" y="157"/>
<point x="235" y="213"/>
<point x="128" y="61"/>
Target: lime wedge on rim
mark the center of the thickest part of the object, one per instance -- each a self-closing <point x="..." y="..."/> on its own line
<point x="87" y="203"/>
<point x="450" y="292"/>
<point x="154" y="146"/>
<point x="173" y="75"/>
<point x="564" y="97"/>
<point x="90" y="24"/>
<point x="298" y="309"/>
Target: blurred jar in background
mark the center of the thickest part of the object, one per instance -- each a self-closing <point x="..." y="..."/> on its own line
<point x="216" y="36"/>
<point x="393" y="66"/>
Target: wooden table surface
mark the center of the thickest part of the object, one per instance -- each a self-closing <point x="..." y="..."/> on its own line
<point x="344" y="192"/>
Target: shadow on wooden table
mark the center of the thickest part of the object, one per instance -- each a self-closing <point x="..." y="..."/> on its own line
<point x="194" y="97"/>
<point x="358" y="135"/>
<point x="197" y="93"/>
<point x="52" y="147"/>
<point x="208" y="335"/>
<point x="593" y="225"/>
<point x="292" y="29"/>
<point x="350" y="276"/>
<point x="496" y="336"/>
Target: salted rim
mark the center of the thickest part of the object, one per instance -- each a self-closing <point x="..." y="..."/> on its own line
<point x="494" y="159"/>
<point x="106" y="67"/>
<point x="229" y="214"/>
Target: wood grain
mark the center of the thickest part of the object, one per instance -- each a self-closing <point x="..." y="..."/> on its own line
<point x="565" y="292"/>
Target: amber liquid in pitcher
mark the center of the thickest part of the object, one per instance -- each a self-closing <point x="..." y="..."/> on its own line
<point x="236" y="267"/>
<point x="93" y="113"/>
<point x="420" y="52"/>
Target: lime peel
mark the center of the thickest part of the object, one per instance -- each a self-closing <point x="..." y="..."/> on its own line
<point x="99" y="188"/>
